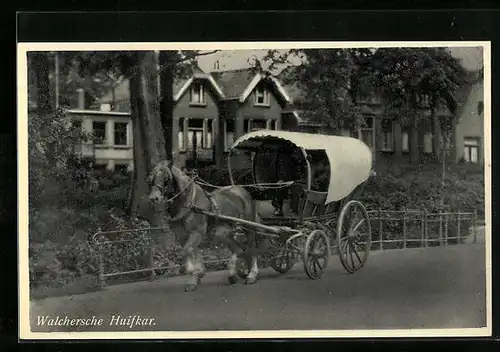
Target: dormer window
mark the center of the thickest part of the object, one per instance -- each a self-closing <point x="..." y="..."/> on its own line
<point x="197" y="94"/>
<point x="262" y="96"/>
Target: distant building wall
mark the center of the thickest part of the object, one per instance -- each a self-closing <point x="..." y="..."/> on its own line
<point x="113" y="145"/>
<point x="470" y="128"/>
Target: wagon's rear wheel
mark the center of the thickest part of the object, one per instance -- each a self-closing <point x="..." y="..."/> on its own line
<point x="353" y="236"/>
<point x="316" y="253"/>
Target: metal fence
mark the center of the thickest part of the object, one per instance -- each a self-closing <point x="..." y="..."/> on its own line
<point x="128" y="252"/>
<point x="410" y="229"/>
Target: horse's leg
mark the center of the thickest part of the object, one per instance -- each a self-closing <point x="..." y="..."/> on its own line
<point x="194" y="268"/>
<point x="253" y="251"/>
<point x="223" y="234"/>
<point x="231" y="269"/>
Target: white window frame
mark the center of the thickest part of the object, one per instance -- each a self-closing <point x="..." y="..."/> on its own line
<point x="262" y="92"/>
<point x="197" y="88"/>
<point x="405" y="136"/>
<point x="185" y="134"/>
<point x="126" y="134"/>
<point x="225" y="132"/>
<point x="390" y="147"/>
<point x="368" y="129"/>
<point x="428" y="135"/>
<point x="104" y="140"/>
<point x="250" y="123"/>
<point x="471" y="143"/>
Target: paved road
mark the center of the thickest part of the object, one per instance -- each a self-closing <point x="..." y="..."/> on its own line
<point x="398" y="289"/>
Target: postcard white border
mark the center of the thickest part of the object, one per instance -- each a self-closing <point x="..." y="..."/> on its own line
<point x="23" y="221"/>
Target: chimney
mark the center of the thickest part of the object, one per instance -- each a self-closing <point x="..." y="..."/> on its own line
<point x="216" y="65"/>
<point x="81" y="98"/>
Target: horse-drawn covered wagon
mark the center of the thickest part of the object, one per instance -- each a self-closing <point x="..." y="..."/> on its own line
<point x="312" y="182"/>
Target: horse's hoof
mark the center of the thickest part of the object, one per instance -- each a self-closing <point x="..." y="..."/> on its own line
<point x="191" y="288"/>
<point x="233" y="279"/>
<point x="250" y="281"/>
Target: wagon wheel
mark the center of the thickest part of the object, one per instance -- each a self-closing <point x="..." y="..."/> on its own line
<point x="353" y="236"/>
<point x="316" y="252"/>
<point x="281" y="259"/>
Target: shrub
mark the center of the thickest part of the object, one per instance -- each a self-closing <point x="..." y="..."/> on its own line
<point x="401" y="189"/>
<point x="55" y="264"/>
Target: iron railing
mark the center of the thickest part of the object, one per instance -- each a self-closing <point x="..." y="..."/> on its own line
<point x="390" y="230"/>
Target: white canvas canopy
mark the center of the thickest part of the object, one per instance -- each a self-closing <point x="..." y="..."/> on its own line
<point x="350" y="159"/>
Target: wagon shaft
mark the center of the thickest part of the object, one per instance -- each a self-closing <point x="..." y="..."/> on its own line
<point x="253" y="225"/>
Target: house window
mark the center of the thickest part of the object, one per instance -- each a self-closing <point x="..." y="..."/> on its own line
<point x="120" y="133"/>
<point x="229" y="131"/>
<point x="387" y="136"/>
<point x="208" y="134"/>
<point x="428" y="143"/>
<point x="197" y="93"/>
<point x="405" y="142"/>
<point x="180" y="135"/>
<point x="366" y="132"/>
<point x="99" y="132"/>
<point x="262" y="96"/>
<point x="195" y="131"/>
<point x="195" y="134"/>
<point x="471" y="150"/>
<point x="255" y="125"/>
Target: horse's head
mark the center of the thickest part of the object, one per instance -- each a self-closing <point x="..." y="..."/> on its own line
<point x="161" y="181"/>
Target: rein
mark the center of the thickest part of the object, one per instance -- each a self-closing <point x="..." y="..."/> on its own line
<point x="185" y="208"/>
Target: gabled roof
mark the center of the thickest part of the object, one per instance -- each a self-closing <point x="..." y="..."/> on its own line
<point x="233" y="82"/>
<point x="238" y="84"/>
<point x="180" y="89"/>
<point x="286" y="77"/>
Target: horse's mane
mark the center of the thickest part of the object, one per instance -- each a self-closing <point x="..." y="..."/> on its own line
<point x="161" y="167"/>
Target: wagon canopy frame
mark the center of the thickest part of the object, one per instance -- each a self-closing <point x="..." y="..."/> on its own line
<point x="349" y="158"/>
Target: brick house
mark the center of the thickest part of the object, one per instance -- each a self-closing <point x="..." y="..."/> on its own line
<point x="212" y="110"/>
<point x="389" y="140"/>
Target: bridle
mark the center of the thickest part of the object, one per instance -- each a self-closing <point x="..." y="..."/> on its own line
<point x="186" y="209"/>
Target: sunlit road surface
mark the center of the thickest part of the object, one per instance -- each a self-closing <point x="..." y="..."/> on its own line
<point x="398" y="289"/>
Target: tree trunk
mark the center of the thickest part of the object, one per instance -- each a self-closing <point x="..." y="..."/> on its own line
<point x="149" y="144"/>
<point x="167" y="99"/>
<point x="414" y="152"/>
<point x="41" y="65"/>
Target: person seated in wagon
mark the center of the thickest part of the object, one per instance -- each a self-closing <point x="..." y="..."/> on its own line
<point x="290" y="166"/>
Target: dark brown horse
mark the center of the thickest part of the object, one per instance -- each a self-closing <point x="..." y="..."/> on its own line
<point x="177" y="193"/>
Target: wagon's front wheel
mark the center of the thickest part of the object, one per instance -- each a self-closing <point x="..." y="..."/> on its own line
<point x="316" y="253"/>
<point x="353" y="236"/>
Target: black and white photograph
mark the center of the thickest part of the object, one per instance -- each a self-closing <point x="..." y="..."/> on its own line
<point x="254" y="189"/>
